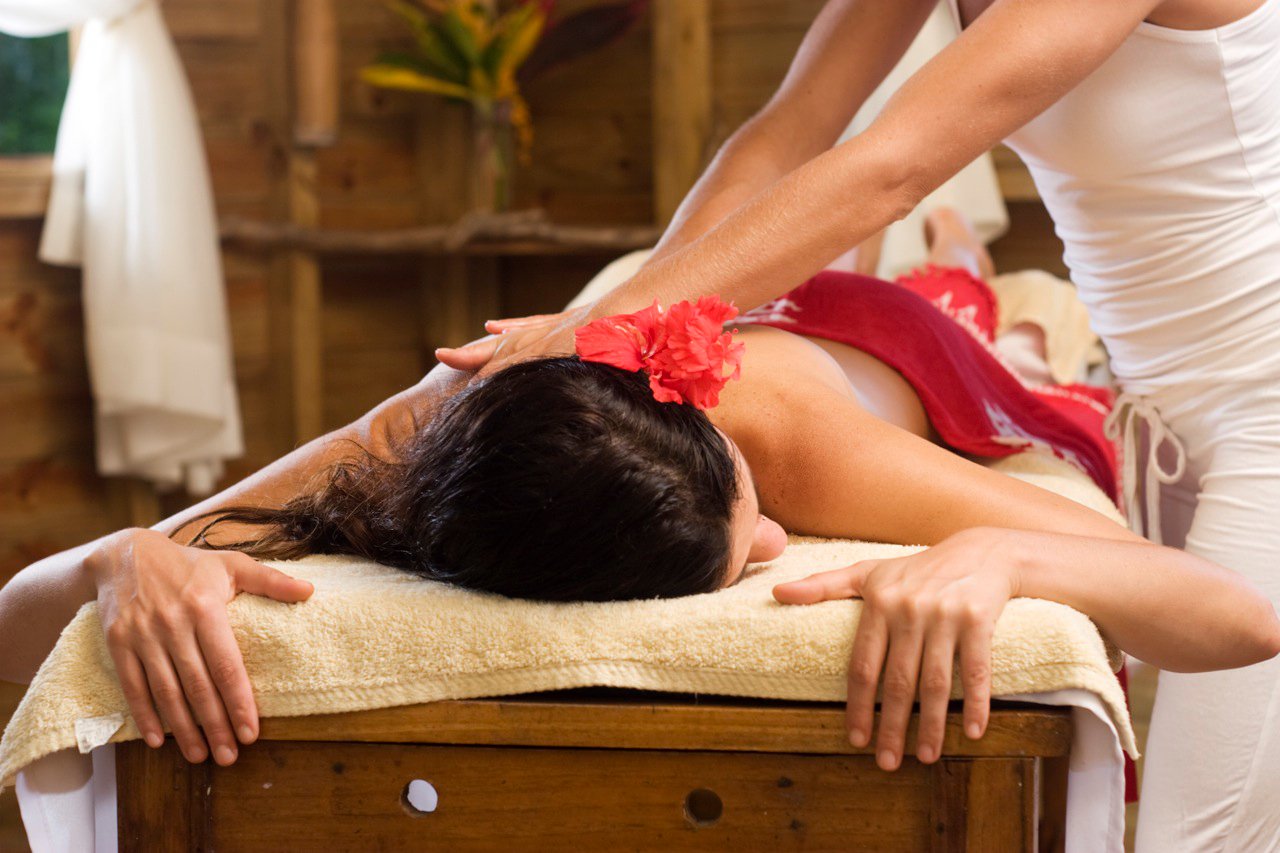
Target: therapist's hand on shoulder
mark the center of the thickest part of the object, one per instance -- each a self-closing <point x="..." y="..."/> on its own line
<point x="919" y="612"/>
<point x="164" y="609"/>
<point x="516" y="339"/>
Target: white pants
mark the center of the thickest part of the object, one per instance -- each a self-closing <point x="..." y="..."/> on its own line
<point x="1212" y="777"/>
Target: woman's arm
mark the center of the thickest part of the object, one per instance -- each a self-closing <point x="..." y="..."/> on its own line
<point x="1017" y="59"/>
<point x="57" y="586"/>
<point x="994" y="538"/>
<point x="377" y="432"/>
<point x="858" y="476"/>
<point x="847" y="52"/>
<point x="163" y="605"/>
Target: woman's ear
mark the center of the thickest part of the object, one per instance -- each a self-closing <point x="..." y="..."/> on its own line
<point x="767" y="542"/>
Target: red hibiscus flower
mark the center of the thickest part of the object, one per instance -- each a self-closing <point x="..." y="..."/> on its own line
<point x="685" y="349"/>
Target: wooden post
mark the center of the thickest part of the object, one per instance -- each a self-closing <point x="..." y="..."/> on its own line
<point x="139" y="500"/>
<point x="306" y="316"/>
<point x="458" y="293"/>
<point x="315" y="123"/>
<point x="681" y="99"/>
<point x="315" y="58"/>
<point x="162" y="808"/>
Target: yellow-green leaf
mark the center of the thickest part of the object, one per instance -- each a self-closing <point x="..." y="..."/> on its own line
<point x="523" y="38"/>
<point x="466" y="31"/>
<point x="393" y="77"/>
<point x="482" y="84"/>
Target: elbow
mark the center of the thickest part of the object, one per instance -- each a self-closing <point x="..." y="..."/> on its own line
<point x="1270" y="639"/>
<point x="1261" y="642"/>
<point x="904" y="190"/>
<point x="897" y="182"/>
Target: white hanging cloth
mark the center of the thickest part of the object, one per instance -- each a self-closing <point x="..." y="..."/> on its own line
<point x="974" y="190"/>
<point x="132" y="205"/>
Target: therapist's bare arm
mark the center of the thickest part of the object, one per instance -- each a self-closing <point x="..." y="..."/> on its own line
<point x="849" y="49"/>
<point x="163" y="604"/>
<point x="1017" y="59"/>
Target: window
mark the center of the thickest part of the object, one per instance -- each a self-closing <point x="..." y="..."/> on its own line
<point x="33" y="84"/>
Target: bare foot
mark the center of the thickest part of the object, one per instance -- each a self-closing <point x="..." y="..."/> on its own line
<point x="953" y="243"/>
<point x="868" y="254"/>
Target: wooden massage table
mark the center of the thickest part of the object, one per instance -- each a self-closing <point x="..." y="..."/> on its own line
<point x="600" y="769"/>
<point x="612" y="738"/>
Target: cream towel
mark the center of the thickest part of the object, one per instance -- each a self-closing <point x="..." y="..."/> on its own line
<point x="374" y="637"/>
<point x="1037" y="297"/>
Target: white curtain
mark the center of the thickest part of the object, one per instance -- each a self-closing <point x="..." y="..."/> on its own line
<point x="974" y="191"/>
<point x="132" y="205"/>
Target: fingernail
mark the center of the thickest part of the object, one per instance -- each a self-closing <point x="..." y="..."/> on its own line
<point x="887" y="760"/>
<point x="153" y="739"/>
<point x="225" y="755"/>
<point x="196" y="756"/>
<point x="246" y="734"/>
<point x="858" y="738"/>
<point x="925" y="754"/>
<point x="974" y="731"/>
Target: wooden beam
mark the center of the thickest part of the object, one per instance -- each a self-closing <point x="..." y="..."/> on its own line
<point x="457" y="293"/>
<point x="306" y="316"/>
<point x="315" y="123"/>
<point x="681" y="99"/>
<point x="668" y="724"/>
<point x="525" y="230"/>
<point x="316" y="68"/>
<point x="24" y="186"/>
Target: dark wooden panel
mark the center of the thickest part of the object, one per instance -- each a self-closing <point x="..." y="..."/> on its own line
<point x="160" y="802"/>
<point x="748" y="725"/>
<point x="349" y="797"/>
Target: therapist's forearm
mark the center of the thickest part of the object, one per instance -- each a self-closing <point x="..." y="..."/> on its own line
<point x="751" y="161"/>
<point x="847" y="52"/>
<point x="782" y="235"/>
<point x="1015" y="61"/>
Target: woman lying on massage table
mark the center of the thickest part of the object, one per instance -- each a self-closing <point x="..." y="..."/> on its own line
<point x="566" y="478"/>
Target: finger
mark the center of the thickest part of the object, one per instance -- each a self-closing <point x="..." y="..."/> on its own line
<point x="865" y="663"/>
<point x="171" y="702"/>
<point x="935" y="691"/>
<point x="825" y="586"/>
<point x="472" y="356"/>
<point x="253" y="577"/>
<point x="898" y="695"/>
<point x="203" y="699"/>
<point x="133" y="682"/>
<point x="226" y="666"/>
<point x="497" y="327"/>
<point x="975" y="676"/>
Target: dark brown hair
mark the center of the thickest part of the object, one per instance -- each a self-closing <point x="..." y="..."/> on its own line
<point x="554" y="479"/>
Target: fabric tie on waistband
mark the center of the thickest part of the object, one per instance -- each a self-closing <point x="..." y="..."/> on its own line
<point x="1127" y="416"/>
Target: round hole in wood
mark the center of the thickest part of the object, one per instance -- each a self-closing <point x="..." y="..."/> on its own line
<point x="419" y="797"/>
<point x="702" y="807"/>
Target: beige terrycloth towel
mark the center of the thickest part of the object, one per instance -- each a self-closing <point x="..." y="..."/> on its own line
<point x="373" y="637"/>
<point x="1037" y="297"/>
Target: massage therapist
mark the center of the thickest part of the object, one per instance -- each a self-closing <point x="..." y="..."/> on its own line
<point x="1152" y="130"/>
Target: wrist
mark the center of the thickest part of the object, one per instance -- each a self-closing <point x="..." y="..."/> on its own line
<point x="98" y="567"/>
<point x="1009" y="551"/>
<point x="1023" y="553"/>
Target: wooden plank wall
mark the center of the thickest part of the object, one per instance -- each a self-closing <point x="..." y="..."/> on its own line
<point x="394" y="164"/>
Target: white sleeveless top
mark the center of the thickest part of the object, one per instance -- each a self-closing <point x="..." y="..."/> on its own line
<point x="1162" y="173"/>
